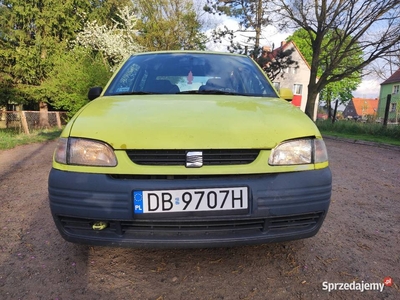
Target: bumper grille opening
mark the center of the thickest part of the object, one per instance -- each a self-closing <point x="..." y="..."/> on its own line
<point x="178" y="157"/>
<point x="200" y="226"/>
<point x="292" y="222"/>
<point x="149" y="228"/>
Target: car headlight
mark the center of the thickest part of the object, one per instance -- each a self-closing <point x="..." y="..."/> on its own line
<point x="298" y="152"/>
<point x="84" y="152"/>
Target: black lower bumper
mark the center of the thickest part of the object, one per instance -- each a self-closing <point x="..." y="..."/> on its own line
<point x="282" y="207"/>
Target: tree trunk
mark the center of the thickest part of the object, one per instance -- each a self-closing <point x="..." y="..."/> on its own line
<point x="258" y="27"/>
<point x="43" y="115"/>
<point x="314" y="86"/>
<point x="329" y="107"/>
<point x="311" y="99"/>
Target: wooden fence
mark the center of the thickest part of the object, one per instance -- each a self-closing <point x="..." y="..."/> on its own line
<point x="27" y="121"/>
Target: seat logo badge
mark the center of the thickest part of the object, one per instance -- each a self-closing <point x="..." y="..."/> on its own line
<point x="194" y="159"/>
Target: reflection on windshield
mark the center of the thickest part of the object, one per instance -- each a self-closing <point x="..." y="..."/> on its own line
<point x="174" y="73"/>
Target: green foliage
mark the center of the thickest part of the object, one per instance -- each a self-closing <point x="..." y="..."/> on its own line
<point x="303" y="38"/>
<point x="169" y="25"/>
<point x="32" y="33"/>
<point x="35" y="41"/>
<point x="74" y="72"/>
<point x="106" y="12"/>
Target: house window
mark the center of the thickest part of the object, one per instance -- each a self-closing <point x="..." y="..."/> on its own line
<point x="294" y="70"/>
<point x="393" y="107"/>
<point x="277" y="86"/>
<point x="297" y="89"/>
<point x="396" y="89"/>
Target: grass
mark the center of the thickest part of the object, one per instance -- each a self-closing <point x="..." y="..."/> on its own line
<point x="371" y="132"/>
<point x="10" y="138"/>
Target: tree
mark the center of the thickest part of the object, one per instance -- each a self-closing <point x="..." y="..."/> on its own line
<point x="115" y="42"/>
<point x="273" y="62"/>
<point x="35" y="45"/>
<point x="145" y="26"/>
<point x="368" y="25"/>
<point x="105" y="12"/>
<point x="252" y="17"/>
<point x="32" y="33"/>
<point x="169" y="25"/>
<point x="338" y="90"/>
<point x="385" y="66"/>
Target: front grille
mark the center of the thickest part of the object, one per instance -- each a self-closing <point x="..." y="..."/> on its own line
<point x="178" y="157"/>
<point x="176" y="177"/>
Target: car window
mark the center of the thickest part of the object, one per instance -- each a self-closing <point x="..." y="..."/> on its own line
<point x="126" y="78"/>
<point x="173" y="73"/>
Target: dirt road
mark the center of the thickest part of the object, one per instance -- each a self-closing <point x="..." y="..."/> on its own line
<point x="358" y="243"/>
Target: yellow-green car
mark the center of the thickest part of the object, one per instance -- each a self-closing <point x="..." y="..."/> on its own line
<point x="189" y="149"/>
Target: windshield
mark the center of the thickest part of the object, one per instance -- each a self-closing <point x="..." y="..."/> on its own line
<point x="197" y="73"/>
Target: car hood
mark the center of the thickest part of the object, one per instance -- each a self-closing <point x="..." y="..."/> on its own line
<point x="191" y="122"/>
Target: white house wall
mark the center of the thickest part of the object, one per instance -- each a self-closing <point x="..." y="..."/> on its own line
<point x="301" y="76"/>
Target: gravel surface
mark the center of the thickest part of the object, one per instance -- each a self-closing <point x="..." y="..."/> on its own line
<point x="358" y="244"/>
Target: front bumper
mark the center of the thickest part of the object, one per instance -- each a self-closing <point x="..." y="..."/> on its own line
<point x="284" y="206"/>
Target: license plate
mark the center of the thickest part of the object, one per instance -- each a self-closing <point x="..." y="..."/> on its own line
<point x="190" y="200"/>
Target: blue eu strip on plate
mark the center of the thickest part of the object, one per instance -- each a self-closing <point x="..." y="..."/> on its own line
<point x="138" y="202"/>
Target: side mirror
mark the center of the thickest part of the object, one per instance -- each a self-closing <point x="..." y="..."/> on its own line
<point x="286" y="94"/>
<point x="95" y="92"/>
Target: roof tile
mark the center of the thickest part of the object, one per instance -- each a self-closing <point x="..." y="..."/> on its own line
<point x="393" y="79"/>
<point x="365" y="106"/>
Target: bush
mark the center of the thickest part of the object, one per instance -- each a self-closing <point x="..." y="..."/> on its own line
<point x="73" y="74"/>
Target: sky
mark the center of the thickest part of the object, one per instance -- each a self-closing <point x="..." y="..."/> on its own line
<point x="369" y="87"/>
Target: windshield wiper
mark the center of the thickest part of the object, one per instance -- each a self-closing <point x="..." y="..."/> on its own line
<point x="213" y="92"/>
<point x="219" y="92"/>
<point x="190" y="92"/>
<point x="131" y="93"/>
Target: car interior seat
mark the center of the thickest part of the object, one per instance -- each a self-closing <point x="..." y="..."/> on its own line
<point x="163" y="86"/>
<point x="214" y="84"/>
